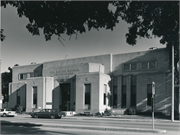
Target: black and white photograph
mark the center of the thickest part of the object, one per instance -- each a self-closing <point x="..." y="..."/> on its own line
<point x="89" y="67"/>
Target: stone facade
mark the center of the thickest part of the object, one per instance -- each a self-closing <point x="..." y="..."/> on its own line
<point x="92" y="84"/>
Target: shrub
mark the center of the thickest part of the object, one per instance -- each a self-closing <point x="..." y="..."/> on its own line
<point x="18" y="109"/>
<point x="130" y="111"/>
<point x="107" y="112"/>
<point x="98" y="114"/>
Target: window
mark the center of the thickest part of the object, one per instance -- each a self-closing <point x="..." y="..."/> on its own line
<point x="18" y="97"/>
<point x="123" y="96"/>
<point x="31" y="74"/>
<point x="115" y="96"/>
<point x="130" y="66"/>
<point x="144" y="65"/>
<point x="149" y="94"/>
<point x="133" y="91"/>
<point x="126" y="66"/>
<point x="148" y="65"/>
<point x="133" y="95"/>
<point x="87" y="94"/>
<point x="35" y="97"/>
<point x="133" y="66"/>
<point x="105" y="90"/>
<point x="152" y="64"/>
<point x="23" y="76"/>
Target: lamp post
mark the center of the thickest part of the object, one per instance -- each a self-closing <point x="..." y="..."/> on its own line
<point x="172" y="104"/>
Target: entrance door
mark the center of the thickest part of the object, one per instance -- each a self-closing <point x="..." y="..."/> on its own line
<point x="65" y="96"/>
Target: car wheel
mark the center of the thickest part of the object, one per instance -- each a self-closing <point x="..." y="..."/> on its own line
<point x="52" y="117"/>
<point x="35" y="116"/>
<point x="4" y="115"/>
<point x="60" y="117"/>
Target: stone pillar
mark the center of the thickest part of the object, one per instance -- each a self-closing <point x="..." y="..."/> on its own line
<point x="119" y="91"/>
<point x="128" y="92"/>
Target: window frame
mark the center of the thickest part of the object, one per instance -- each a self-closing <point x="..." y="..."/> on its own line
<point x="85" y="101"/>
<point x="130" y="66"/>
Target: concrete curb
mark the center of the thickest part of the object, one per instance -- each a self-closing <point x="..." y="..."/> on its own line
<point x="109" y="118"/>
<point x="120" y="129"/>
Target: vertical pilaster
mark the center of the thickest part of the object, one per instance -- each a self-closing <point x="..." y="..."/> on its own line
<point x="128" y="93"/>
<point x="119" y="91"/>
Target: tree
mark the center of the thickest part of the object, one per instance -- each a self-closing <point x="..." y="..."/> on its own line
<point x="6" y="79"/>
<point x="147" y="18"/>
<point x="158" y="18"/>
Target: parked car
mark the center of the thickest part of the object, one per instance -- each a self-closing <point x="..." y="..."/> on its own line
<point x="7" y="112"/>
<point x="46" y="113"/>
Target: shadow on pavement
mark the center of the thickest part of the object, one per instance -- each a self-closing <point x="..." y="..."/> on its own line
<point x="26" y="128"/>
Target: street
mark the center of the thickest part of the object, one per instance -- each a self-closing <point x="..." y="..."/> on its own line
<point x="170" y="127"/>
<point x="60" y="131"/>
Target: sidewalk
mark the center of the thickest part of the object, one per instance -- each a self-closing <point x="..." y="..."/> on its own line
<point x="116" y="118"/>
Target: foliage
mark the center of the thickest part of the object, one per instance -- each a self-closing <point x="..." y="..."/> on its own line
<point x="130" y="111"/>
<point x="107" y="112"/>
<point x="147" y="18"/>
<point x="70" y="17"/>
<point x="2" y="35"/>
<point x="6" y="79"/>
<point x="98" y="114"/>
<point x="64" y="17"/>
<point x="18" y="109"/>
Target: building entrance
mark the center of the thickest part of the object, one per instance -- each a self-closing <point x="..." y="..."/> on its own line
<point x="65" y="96"/>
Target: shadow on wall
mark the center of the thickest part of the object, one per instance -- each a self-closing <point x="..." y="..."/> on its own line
<point x="18" y="97"/>
<point x="38" y="71"/>
<point x="56" y="98"/>
<point x="159" y="55"/>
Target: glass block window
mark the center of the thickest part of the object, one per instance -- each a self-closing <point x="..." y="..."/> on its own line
<point x="144" y="65"/>
<point x="133" y="66"/>
<point x="152" y="64"/>
<point x="126" y="66"/>
<point x="31" y="74"/>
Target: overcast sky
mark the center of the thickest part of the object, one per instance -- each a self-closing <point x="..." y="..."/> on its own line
<point x="20" y="47"/>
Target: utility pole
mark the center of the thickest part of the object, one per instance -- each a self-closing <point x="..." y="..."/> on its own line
<point x="172" y="104"/>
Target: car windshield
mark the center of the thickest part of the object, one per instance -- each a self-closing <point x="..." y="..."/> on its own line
<point x="2" y="110"/>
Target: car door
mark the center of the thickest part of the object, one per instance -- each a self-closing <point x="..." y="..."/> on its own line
<point x="47" y="113"/>
<point x="41" y="114"/>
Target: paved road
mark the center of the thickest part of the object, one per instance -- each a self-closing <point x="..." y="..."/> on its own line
<point x="166" y="125"/>
<point x="11" y="130"/>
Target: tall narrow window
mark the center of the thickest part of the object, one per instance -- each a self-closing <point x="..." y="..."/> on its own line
<point x="18" y="97"/>
<point x="133" y="91"/>
<point x="123" y="96"/>
<point x="35" y="97"/>
<point x="105" y="90"/>
<point x="149" y="94"/>
<point x="87" y="94"/>
<point x="115" y="97"/>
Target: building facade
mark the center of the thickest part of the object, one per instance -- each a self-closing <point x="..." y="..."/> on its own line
<point x="92" y="84"/>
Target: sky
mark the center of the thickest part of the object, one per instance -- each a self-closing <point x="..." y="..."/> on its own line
<point x="20" y="47"/>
